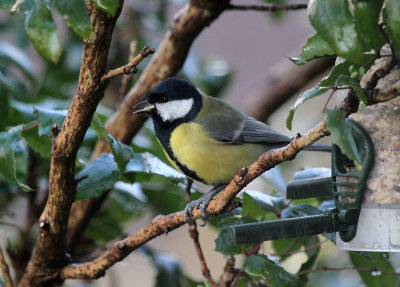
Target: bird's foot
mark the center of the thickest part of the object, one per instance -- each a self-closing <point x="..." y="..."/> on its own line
<point x="201" y="204"/>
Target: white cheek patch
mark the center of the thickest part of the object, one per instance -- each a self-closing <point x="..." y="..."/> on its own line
<point x="174" y="109"/>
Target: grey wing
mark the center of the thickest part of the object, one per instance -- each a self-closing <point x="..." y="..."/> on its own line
<point x="254" y="131"/>
<point x="239" y="129"/>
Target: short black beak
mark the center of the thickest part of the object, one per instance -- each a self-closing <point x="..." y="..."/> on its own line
<point x="143" y="107"/>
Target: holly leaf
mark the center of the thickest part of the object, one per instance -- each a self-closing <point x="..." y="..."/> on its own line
<point x="98" y="176"/>
<point x="41" y="144"/>
<point x="42" y="32"/>
<point x="301" y="99"/>
<point x="108" y="6"/>
<point x="316" y="47"/>
<point x="378" y="261"/>
<point x="47" y="118"/>
<point x="334" y="23"/>
<point x="345" y="80"/>
<point x="366" y="16"/>
<point x="9" y="141"/>
<point x="75" y="15"/>
<point x="391" y="17"/>
<point x="147" y="164"/>
<point x="341" y="132"/>
<point x="263" y="266"/>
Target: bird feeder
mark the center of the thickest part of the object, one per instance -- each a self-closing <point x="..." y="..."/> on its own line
<point x="366" y="216"/>
<point x="379" y="223"/>
<point x="345" y="186"/>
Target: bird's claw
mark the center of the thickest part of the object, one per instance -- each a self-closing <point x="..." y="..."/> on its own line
<point x="188" y="211"/>
<point x="202" y="204"/>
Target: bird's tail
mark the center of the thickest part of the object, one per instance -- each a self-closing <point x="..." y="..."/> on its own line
<point x="319" y="147"/>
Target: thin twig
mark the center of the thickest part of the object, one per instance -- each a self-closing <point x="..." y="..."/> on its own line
<point x="130" y="67"/>
<point x="359" y="269"/>
<point x="27" y="128"/>
<point x="229" y="273"/>
<point x="269" y="8"/>
<point x="5" y="270"/>
<point x="194" y="234"/>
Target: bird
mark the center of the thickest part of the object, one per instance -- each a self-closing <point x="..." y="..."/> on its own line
<point x="206" y="138"/>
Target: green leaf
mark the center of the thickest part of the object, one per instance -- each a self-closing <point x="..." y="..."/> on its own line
<point x="108" y="6"/>
<point x="345" y="80"/>
<point x="103" y="227"/>
<point x="126" y="201"/>
<point x="301" y="99"/>
<point x="122" y="153"/>
<point x="47" y="118"/>
<point x="257" y="203"/>
<point x="339" y="69"/>
<point x="101" y="174"/>
<point x="6" y="4"/>
<point x="267" y="267"/>
<point x="341" y="136"/>
<point x="41" y="144"/>
<point x="366" y="16"/>
<point x="334" y="23"/>
<point x="12" y="54"/>
<point x="251" y="209"/>
<point x="164" y="196"/>
<point x="312" y="247"/>
<point x="75" y="14"/>
<point x="147" y="164"/>
<point x="42" y="32"/>
<point x="222" y="239"/>
<point x="98" y="126"/>
<point x="391" y="17"/>
<point x="378" y="261"/>
<point x="281" y="246"/>
<point x="315" y="48"/>
<point x="9" y="141"/>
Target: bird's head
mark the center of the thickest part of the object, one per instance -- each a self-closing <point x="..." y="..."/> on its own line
<point x="172" y="100"/>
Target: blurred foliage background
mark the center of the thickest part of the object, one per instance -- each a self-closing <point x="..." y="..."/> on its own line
<point x="37" y="81"/>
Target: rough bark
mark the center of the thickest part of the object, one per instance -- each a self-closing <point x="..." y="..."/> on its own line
<point x="49" y="254"/>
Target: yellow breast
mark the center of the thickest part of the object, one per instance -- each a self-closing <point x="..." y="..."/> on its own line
<point x="214" y="162"/>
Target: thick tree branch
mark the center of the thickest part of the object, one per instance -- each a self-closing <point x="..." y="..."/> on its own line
<point x="5" y="270"/>
<point x="269" y="8"/>
<point x="130" y="67"/>
<point x="186" y="25"/>
<point x="194" y="234"/>
<point x="222" y="203"/>
<point x="49" y="254"/>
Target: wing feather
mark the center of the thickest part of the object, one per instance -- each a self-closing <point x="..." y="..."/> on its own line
<point x="230" y="126"/>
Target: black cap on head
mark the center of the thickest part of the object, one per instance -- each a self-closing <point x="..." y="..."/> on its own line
<point x="173" y="89"/>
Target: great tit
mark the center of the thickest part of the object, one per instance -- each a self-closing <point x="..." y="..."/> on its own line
<point x="205" y="138"/>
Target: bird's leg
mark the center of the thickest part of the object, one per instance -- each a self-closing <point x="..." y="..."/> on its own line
<point x="202" y="203"/>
